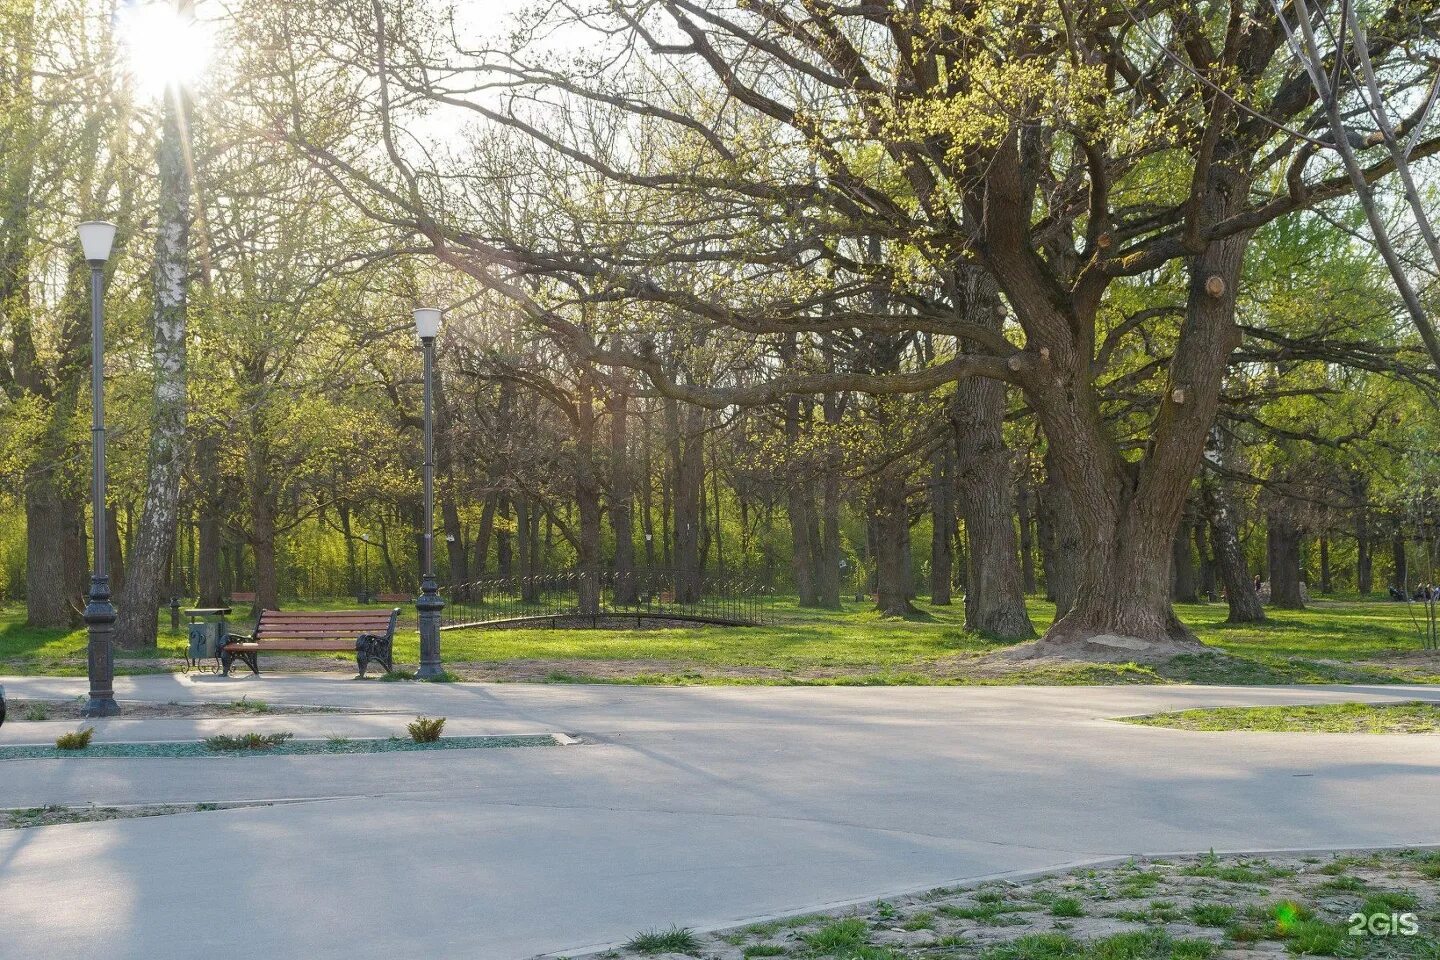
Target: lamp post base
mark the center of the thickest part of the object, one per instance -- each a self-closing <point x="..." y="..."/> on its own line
<point x="98" y="707"/>
<point x="100" y="621"/>
<point x="428" y="607"/>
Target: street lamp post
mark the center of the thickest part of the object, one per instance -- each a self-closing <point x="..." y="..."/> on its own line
<point x="428" y="605"/>
<point x="96" y="238"/>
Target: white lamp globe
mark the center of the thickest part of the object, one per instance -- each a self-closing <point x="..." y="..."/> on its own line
<point x="427" y="322"/>
<point x="96" y="238"/>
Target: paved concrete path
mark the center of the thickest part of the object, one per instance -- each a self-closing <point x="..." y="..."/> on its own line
<point x="703" y="806"/>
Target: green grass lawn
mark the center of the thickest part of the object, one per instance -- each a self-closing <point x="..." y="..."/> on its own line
<point x="1412" y="716"/>
<point x="1331" y="642"/>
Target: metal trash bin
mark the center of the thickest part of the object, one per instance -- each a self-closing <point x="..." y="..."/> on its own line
<point x="208" y="628"/>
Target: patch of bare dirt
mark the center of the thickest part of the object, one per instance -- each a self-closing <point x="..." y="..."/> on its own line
<point x="20" y="711"/>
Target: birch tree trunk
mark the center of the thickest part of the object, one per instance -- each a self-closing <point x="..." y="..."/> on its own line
<point x="146" y="587"/>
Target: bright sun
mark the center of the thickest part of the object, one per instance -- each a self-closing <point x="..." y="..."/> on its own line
<point x="163" y="47"/>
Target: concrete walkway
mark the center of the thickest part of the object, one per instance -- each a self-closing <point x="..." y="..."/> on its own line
<point x="703" y="806"/>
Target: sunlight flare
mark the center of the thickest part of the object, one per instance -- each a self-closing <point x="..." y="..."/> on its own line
<point x="164" y="46"/>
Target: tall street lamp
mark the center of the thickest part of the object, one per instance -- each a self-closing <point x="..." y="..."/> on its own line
<point x="428" y="604"/>
<point x="96" y="238"/>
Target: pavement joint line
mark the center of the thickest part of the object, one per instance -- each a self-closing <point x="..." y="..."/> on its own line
<point x="1012" y="877"/>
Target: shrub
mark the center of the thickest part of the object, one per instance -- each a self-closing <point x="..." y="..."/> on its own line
<point x="426" y="729"/>
<point x="77" y="740"/>
<point x="37" y="711"/>
<point x="247" y="741"/>
<point x="674" y="940"/>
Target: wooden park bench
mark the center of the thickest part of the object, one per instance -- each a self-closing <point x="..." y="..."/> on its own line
<point x="370" y="633"/>
<point x="394" y="598"/>
<point x="242" y="598"/>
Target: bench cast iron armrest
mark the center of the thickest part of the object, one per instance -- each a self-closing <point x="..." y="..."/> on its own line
<point x="368" y="647"/>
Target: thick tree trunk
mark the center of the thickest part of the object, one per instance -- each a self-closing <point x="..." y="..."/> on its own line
<point x="50" y="598"/>
<point x="146" y="587"/>
<point x="1059" y="541"/>
<point x="1127" y="513"/>
<point x="1240" y="595"/>
<point x="1024" y="499"/>
<point x="622" y="517"/>
<point x="942" y="523"/>
<point x="1283" y="537"/>
<point x="262" y="545"/>
<point x="890" y="521"/>
<point x="1183" y="566"/>
<point x="994" y="588"/>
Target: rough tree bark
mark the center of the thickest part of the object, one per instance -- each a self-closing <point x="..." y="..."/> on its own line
<point x="942" y="526"/>
<point x="1283" y="538"/>
<point x="1024" y="501"/>
<point x="146" y="587"/>
<point x="994" y="589"/>
<point x="1059" y="541"/>
<point x="890" y="522"/>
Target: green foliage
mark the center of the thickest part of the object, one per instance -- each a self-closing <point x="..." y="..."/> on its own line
<point x="246" y="741"/>
<point x="1067" y="907"/>
<point x="426" y="729"/>
<point x="848" y="934"/>
<point x="673" y="940"/>
<point x="75" y="740"/>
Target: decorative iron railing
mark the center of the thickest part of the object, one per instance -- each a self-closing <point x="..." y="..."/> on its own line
<point x="580" y="598"/>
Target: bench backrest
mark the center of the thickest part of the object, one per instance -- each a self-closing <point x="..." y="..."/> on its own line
<point x="325" y="624"/>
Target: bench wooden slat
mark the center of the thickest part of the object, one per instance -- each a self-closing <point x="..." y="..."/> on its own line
<point x="318" y="630"/>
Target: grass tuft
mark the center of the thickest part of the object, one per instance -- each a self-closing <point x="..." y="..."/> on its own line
<point x="76" y="740"/>
<point x="426" y="729"/>
<point x="246" y="741"/>
<point x="848" y="934"/>
<point x="674" y="940"/>
<point x="1067" y="907"/>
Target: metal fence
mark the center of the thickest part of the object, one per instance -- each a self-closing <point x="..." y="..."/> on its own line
<point x="594" y="598"/>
